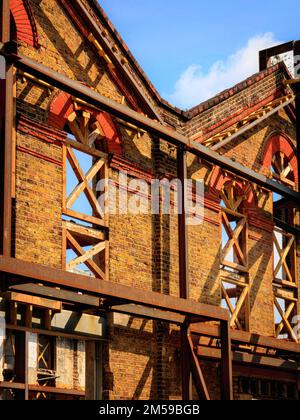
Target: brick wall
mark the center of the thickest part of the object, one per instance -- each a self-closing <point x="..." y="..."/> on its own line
<point x="142" y="359"/>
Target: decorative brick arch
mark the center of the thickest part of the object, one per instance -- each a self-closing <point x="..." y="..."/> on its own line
<point x="62" y="106"/>
<point x="219" y="178"/>
<point x="280" y="143"/>
<point x="24" y="21"/>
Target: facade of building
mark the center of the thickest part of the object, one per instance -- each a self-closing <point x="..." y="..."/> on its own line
<point x="124" y="305"/>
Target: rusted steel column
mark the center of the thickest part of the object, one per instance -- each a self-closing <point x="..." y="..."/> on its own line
<point x="297" y="101"/>
<point x="226" y="361"/>
<point x="8" y="120"/>
<point x="183" y="270"/>
<point x="5" y="20"/>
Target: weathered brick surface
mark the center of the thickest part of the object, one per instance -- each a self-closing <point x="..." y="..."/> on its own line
<point x="38" y="203"/>
<point x="142" y="359"/>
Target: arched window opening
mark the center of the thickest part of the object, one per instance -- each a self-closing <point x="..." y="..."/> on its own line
<point x="84" y="218"/>
<point x="234" y="255"/>
<point x="282" y="161"/>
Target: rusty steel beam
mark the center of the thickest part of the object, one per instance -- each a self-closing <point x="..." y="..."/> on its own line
<point x="8" y="125"/>
<point x="29" y="272"/>
<point x="250" y="359"/>
<point x="183" y="270"/>
<point x="5" y="20"/>
<point x="88" y="95"/>
<point x="61" y="295"/>
<point x="9" y="120"/>
<point x="242" y="337"/>
<point x="298" y="132"/>
<point x="182" y="176"/>
<point x="226" y="361"/>
<point x="7" y="134"/>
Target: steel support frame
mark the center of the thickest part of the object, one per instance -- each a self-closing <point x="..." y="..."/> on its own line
<point x="184" y="146"/>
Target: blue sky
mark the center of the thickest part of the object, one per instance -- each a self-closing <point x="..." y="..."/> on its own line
<point x="180" y="43"/>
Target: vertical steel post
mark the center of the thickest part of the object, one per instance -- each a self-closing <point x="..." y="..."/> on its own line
<point x="183" y="270"/>
<point x="226" y="361"/>
<point x="9" y="119"/>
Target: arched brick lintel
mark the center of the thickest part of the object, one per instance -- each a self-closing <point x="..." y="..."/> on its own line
<point x="280" y="143"/>
<point x="219" y="178"/>
<point x="25" y="22"/>
<point x="62" y="106"/>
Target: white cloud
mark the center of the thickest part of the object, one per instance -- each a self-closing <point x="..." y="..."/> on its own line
<point x="195" y="86"/>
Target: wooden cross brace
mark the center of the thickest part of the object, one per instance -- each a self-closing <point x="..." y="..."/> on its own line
<point x="282" y="169"/>
<point x="84" y="183"/>
<point x="86" y="257"/>
<point x="283" y="254"/>
<point x="234" y="240"/>
<point x="82" y="129"/>
<point x="285" y="316"/>
<point x="235" y="311"/>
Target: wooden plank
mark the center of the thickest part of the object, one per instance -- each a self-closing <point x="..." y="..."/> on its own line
<point x="84" y="234"/>
<point x="84" y="218"/>
<point x="86" y="149"/>
<point x="239" y="306"/>
<point x="33" y="301"/>
<point x="105" y="289"/>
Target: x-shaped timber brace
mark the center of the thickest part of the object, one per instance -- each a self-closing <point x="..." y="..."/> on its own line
<point x="287" y="258"/>
<point x="236" y="227"/>
<point x="94" y="234"/>
<point x="60" y="278"/>
<point x="286" y="287"/>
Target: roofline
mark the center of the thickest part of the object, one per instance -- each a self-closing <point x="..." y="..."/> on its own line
<point x="203" y="106"/>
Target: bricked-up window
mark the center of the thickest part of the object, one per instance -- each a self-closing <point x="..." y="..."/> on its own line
<point x="85" y="222"/>
<point x="234" y="256"/>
